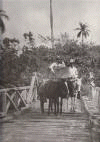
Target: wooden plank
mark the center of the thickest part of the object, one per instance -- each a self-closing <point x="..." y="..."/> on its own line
<point x="8" y="105"/>
<point x="34" y="95"/>
<point x="16" y="88"/>
<point x="31" y="89"/>
<point x="21" y="98"/>
<point x="24" y="95"/>
<point x="12" y="102"/>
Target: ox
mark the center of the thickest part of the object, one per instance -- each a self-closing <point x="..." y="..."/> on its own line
<point x="53" y="89"/>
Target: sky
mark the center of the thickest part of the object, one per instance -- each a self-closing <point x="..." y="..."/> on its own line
<point x="33" y="15"/>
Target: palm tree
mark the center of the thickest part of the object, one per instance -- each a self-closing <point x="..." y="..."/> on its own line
<point x="83" y="31"/>
<point x="2" y="25"/>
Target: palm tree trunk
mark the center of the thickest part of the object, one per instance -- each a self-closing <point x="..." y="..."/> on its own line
<point x="0" y="29"/>
<point x="82" y="40"/>
<point x="51" y="24"/>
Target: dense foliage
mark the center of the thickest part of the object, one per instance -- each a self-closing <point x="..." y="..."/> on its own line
<point x="17" y="69"/>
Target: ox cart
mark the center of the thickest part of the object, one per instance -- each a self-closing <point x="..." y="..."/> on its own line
<point x="58" y="85"/>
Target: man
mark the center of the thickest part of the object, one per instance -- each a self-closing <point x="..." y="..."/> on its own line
<point x="73" y="70"/>
<point x="51" y="67"/>
<point x="74" y="76"/>
<point x="56" y="65"/>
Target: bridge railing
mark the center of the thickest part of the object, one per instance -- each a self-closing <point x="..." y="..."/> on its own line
<point x="18" y="97"/>
<point x="14" y="98"/>
<point x="94" y="96"/>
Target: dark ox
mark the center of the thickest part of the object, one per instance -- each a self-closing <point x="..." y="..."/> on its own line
<point x="53" y="89"/>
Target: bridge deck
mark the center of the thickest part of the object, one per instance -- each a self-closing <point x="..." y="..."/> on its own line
<point x="32" y="126"/>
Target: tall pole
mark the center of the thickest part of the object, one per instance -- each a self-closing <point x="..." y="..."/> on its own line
<point x="1" y="8"/>
<point x="51" y="24"/>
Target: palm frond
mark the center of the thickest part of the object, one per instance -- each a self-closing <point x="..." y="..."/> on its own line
<point x="79" y="34"/>
<point x="77" y="29"/>
<point x="4" y="15"/>
<point x="84" y="34"/>
<point x="87" y="33"/>
<point x="85" y="26"/>
<point x="87" y="30"/>
<point x="2" y="11"/>
<point x="2" y="26"/>
<point x="81" y="24"/>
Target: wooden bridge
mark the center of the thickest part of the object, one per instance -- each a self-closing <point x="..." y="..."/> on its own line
<point x="32" y="126"/>
<point x="20" y="97"/>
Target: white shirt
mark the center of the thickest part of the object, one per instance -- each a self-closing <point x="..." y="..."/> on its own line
<point x="52" y="66"/>
<point x="55" y="65"/>
<point x="73" y="72"/>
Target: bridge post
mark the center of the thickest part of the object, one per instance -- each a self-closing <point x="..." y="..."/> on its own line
<point x="4" y="103"/>
<point x="33" y="89"/>
<point x="36" y="83"/>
